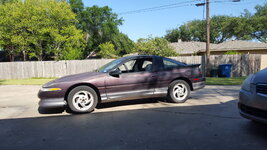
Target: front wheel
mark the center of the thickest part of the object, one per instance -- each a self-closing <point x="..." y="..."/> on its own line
<point x="82" y="99"/>
<point x="178" y="91"/>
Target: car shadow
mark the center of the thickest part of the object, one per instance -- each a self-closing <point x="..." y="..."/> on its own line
<point x="105" y="105"/>
<point x="51" y="110"/>
<point x="187" y="127"/>
<point x="130" y="102"/>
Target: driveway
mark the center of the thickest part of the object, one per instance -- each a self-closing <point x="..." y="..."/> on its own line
<point x="208" y="120"/>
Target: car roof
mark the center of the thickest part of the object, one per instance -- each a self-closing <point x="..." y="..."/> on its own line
<point x="140" y="56"/>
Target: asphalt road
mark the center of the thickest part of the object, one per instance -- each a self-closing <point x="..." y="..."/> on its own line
<point x="208" y="120"/>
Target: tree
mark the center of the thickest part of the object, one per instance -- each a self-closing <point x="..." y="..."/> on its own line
<point x="173" y="35"/>
<point x="76" y="6"/>
<point x="40" y="29"/>
<point x="196" y="30"/>
<point x="259" y="22"/>
<point x="191" y="31"/>
<point x="10" y="35"/>
<point x="100" y="25"/>
<point x="247" y="26"/>
<point x="123" y="44"/>
<point x="155" y="46"/>
<point x="7" y="1"/>
<point x="107" y="50"/>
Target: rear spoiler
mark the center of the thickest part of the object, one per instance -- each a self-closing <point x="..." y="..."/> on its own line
<point x="193" y="65"/>
<point x="196" y="67"/>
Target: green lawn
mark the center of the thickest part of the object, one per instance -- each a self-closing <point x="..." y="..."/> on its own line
<point x="225" y="81"/>
<point x="31" y="81"/>
<point x="40" y="81"/>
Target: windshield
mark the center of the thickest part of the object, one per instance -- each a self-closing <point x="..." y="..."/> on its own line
<point x="107" y="67"/>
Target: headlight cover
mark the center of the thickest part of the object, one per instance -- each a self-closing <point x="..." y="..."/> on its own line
<point x="247" y="83"/>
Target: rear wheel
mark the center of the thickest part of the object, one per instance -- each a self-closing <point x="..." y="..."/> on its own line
<point x="178" y="91"/>
<point x="82" y="99"/>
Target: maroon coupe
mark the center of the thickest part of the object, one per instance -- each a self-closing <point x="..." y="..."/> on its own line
<point x="132" y="77"/>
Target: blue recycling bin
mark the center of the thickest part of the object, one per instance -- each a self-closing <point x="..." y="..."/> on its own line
<point x="225" y="70"/>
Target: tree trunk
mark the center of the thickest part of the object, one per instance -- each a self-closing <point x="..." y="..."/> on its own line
<point x="24" y="55"/>
<point x="11" y="55"/>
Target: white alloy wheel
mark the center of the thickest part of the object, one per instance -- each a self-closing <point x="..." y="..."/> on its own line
<point x="179" y="91"/>
<point x="82" y="99"/>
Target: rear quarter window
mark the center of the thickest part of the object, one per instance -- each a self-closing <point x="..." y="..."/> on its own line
<point x="170" y="64"/>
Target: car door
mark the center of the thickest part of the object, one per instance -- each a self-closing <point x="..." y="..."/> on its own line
<point x="136" y="80"/>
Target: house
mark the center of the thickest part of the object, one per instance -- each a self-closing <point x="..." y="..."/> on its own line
<point x="243" y="47"/>
<point x="199" y="48"/>
<point x="188" y="48"/>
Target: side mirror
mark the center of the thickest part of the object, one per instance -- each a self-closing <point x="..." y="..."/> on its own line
<point x="115" y="73"/>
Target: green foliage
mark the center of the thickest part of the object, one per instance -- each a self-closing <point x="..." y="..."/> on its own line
<point x="172" y="35"/>
<point x="40" y="29"/>
<point x="155" y="46"/>
<point x="100" y="25"/>
<point x="222" y="28"/>
<point x="259" y="22"/>
<point x="245" y="27"/>
<point x="76" y="5"/>
<point x="7" y="1"/>
<point x="123" y="44"/>
<point x="232" y="52"/>
<point x="107" y="50"/>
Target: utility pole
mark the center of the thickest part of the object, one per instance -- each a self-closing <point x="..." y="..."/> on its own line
<point x="207" y="65"/>
<point x="208" y="38"/>
<point x="207" y="58"/>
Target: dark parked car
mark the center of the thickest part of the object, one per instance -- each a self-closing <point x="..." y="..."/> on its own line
<point x="132" y="77"/>
<point x="253" y="97"/>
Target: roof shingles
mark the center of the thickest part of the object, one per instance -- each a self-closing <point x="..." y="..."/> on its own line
<point x="189" y="48"/>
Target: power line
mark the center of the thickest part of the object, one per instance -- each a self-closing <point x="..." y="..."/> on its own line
<point x="174" y="5"/>
<point x="233" y="1"/>
<point x="126" y="13"/>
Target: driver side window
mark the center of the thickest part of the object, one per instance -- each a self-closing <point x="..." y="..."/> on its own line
<point x="136" y="65"/>
<point x="127" y="66"/>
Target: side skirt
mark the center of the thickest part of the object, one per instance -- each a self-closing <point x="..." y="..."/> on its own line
<point x="138" y="94"/>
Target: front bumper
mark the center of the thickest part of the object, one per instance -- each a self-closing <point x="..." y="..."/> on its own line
<point x="252" y="113"/>
<point x="52" y="103"/>
<point x="51" y="99"/>
<point x="253" y="105"/>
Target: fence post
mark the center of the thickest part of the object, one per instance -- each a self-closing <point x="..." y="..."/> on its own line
<point x="263" y="62"/>
<point x="203" y="64"/>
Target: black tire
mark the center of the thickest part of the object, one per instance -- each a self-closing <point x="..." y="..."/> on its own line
<point x="172" y="97"/>
<point x="73" y="103"/>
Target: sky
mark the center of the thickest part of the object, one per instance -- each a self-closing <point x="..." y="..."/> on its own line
<point x="155" y="23"/>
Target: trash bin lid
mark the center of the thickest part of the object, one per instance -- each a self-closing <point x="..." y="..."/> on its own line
<point x="225" y="65"/>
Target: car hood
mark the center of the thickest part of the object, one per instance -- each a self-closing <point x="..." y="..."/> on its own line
<point x="75" y="77"/>
<point x="261" y="76"/>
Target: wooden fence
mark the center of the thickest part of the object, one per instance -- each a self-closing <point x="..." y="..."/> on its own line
<point x="243" y="65"/>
